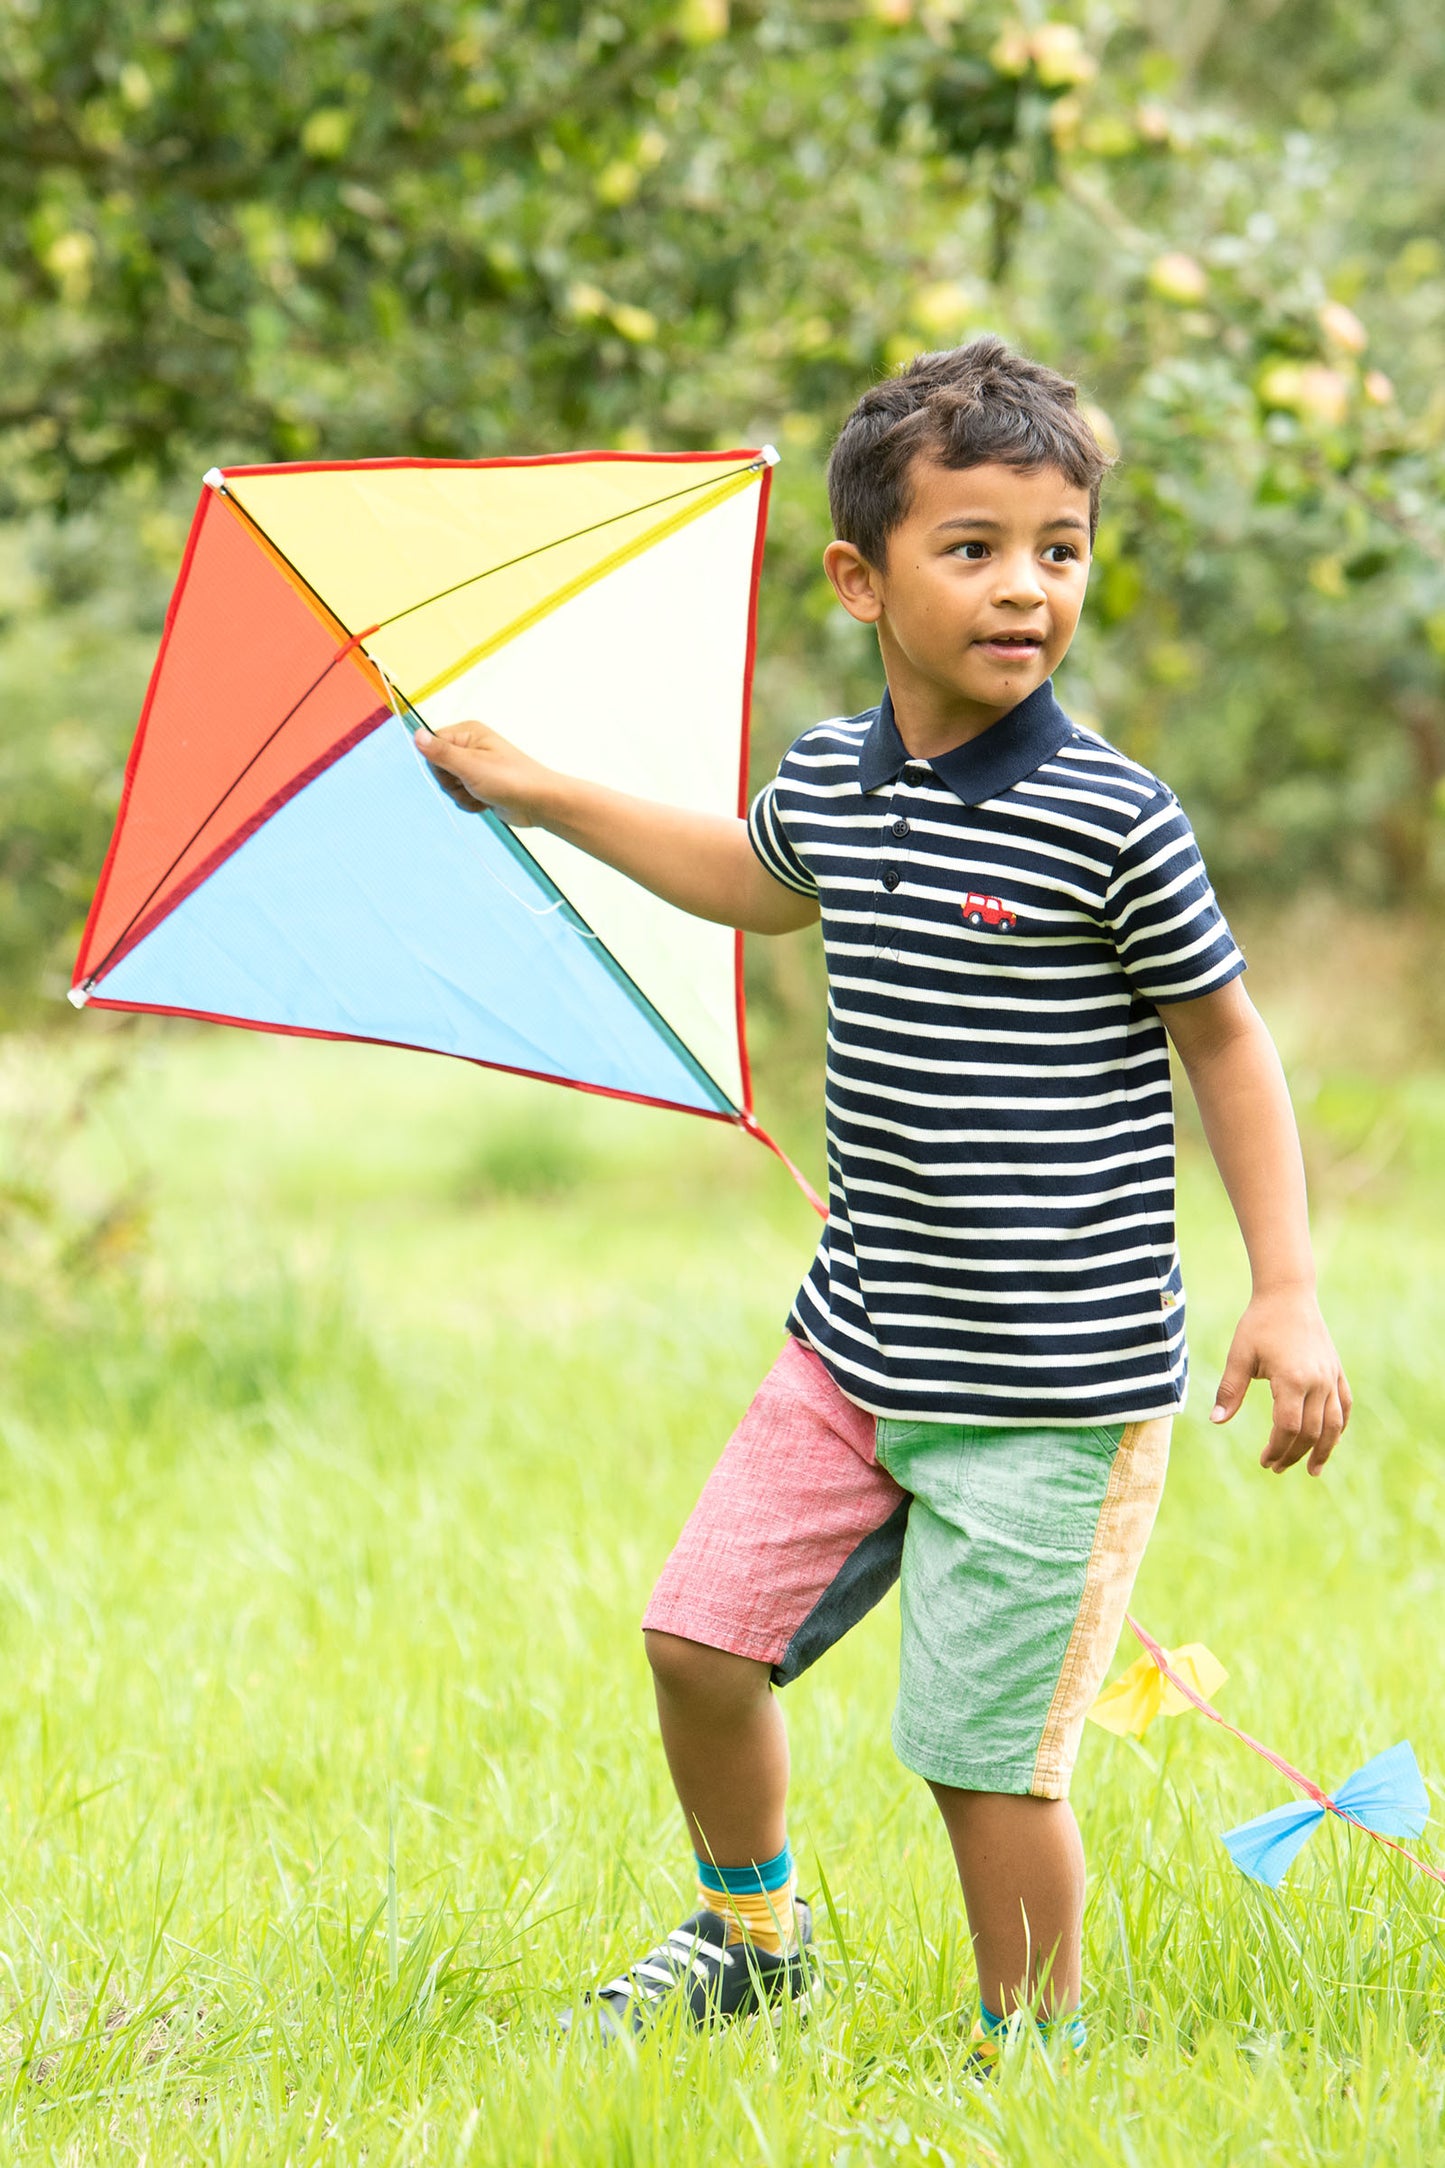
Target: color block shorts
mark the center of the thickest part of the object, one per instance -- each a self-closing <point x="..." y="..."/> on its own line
<point x="1017" y="1548"/>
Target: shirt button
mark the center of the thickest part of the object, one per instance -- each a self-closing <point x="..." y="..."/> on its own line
<point x="915" y="773"/>
<point x="891" y="879"/>
<point x="900" y="826"/>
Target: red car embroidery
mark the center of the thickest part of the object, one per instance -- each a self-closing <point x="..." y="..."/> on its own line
<point x="989" y="911"/>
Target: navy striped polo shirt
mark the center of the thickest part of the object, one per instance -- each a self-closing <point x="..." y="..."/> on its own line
<point x="998" y="923"/>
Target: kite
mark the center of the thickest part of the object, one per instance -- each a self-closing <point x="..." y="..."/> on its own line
<point x="284" y="859"/>
<point x="1386" y="1799"/>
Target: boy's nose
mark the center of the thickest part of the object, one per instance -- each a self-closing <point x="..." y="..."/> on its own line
<point x="1018" y="582"/>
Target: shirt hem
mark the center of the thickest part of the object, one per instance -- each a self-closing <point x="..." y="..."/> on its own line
<point x="1045" y="1414"/>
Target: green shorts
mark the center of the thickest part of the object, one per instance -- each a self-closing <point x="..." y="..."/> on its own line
<point x="1017" y="1548"/>
<point x="1019" y="1554"/>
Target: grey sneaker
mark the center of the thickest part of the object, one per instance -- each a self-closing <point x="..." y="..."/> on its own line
<point x="715" y="1979"/>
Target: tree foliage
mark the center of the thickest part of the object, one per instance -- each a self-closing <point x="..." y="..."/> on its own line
<point x="256" y="229"/>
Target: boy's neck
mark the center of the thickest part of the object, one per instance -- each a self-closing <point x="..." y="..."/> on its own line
<point x="933" y="719"/>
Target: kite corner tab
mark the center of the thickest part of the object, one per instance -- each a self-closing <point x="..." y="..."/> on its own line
<point x="213" y="478"/>
<point x="79" y="995"/>
<point x="769" y="456"/>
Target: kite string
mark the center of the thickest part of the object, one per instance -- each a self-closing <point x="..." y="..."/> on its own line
<point x="748" y="1120"/>
<point x="1314" y="1792"/>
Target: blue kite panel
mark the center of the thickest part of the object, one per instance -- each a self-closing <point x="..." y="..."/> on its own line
<point x="372" y="906"/>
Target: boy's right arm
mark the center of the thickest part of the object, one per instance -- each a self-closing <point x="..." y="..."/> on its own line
<point x="702" y="862"/>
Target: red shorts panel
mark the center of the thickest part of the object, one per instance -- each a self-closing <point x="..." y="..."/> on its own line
<point x="798" y="1531"/>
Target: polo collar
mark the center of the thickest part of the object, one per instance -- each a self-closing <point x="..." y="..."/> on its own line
<point x="985" y="766"/>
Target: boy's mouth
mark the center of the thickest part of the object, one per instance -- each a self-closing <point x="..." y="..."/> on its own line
<point x="1011" y="646"/>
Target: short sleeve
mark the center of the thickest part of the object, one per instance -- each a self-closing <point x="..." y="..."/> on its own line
<point x="1171" y="935"/>
<point x="769" y="839"/>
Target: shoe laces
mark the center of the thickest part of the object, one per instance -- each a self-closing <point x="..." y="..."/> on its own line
<point x="668" y="1966"/>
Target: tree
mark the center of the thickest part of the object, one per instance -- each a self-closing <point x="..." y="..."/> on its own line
<point x="263" y="230"/>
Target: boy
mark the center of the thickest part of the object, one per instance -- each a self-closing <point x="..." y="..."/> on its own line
<point x="986" y="1355"/>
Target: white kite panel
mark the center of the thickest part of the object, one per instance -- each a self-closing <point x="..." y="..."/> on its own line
<point x="639" y="682"/>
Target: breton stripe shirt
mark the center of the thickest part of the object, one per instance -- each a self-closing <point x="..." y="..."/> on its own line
<point x="998" y="923"/>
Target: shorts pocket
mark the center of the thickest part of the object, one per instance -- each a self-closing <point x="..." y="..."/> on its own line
<point x="894" y="1441"/>
<point x="1038" y="1487"/>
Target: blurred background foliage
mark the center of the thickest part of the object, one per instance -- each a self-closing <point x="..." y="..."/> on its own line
<point x="262" y="229"/>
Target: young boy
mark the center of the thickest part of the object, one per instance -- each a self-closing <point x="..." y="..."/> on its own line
<point x="986" y="1354"/>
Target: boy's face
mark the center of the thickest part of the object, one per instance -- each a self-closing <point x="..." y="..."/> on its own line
<point x="982" y="588"/>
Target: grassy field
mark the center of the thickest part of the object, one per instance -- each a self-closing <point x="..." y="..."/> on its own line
<point x="348" y="1403"/>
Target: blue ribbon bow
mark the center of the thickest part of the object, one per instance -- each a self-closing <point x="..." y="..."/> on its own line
<point x="1387" y="1796"/>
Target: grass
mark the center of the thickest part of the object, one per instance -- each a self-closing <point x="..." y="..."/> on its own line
<point x="335" y="1462"/>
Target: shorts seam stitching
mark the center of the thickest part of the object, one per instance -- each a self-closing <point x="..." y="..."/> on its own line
<point x="1068" y="1670"/>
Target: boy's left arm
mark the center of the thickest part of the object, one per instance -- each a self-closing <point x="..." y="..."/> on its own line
<point x="1245" y="1107"/>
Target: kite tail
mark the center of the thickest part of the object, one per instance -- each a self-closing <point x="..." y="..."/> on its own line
<point x="754" y="1128"/>
<point x="1311" y="1790"/>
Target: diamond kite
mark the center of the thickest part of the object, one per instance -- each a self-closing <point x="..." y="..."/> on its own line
<point x="282" y="858"/>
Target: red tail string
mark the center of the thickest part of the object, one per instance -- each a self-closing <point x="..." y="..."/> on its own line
<point x="754" y="1128"/>
<point x="1311" y="1790"/>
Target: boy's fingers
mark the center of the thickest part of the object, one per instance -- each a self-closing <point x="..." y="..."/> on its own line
<point x="441" y="754"/>
<point x="454" y="788"/>
<point x="1238" y="1370"/>
<point x="1313" y="1432"/>
<point x="1311" y="1425"/>
<point x="1329" y="1437"/>
<point x="1346" y="1399"/>
<point x="1289" y="1411"/>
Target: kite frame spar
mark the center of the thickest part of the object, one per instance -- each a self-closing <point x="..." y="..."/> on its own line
<point x="90" y="974"/>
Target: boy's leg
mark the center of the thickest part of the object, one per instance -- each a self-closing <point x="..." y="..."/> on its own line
<point x="1021" y="1864"/>
<point x="726" y="1746"/>
<point x="797" y="1534"/>
<point x="1021" y="1550"/>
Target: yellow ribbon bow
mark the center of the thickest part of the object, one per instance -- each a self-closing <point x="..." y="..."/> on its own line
<point x="1142" y="1692"/>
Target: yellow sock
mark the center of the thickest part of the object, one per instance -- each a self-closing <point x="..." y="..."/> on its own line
<point x="761" y="1916"/>
<point x="985" y="2045"/>
<point x="756" y="1902"/>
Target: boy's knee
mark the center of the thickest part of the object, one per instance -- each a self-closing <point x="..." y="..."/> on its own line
<point x="690" y="1671"/>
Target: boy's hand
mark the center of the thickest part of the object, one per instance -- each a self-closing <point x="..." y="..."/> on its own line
<point x="1283" y="1337"/>
<point x="478" y="769"/>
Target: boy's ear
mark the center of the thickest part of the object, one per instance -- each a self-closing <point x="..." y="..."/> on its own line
<point x="854" y="581"/>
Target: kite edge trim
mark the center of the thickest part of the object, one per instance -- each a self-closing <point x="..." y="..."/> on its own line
<point x="408" y="1046"/>
<point x="521" y="459"/>
<point x="750" y="656"/>
<point x="92" y="919"/>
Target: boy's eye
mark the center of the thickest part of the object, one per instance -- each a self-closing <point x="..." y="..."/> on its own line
<point x="974" y="552"/>
<point x="1060" y="553"/>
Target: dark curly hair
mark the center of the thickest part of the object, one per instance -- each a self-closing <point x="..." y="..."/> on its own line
<point x="964" y="408"/>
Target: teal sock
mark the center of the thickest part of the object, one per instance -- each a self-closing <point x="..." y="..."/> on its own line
<point x="1069" y="2032"/>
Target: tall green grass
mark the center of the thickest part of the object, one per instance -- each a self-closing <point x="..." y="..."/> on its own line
<point x="329" y="1499"/>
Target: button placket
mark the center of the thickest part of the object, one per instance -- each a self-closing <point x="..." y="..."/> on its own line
<point x="896" y="829"/>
